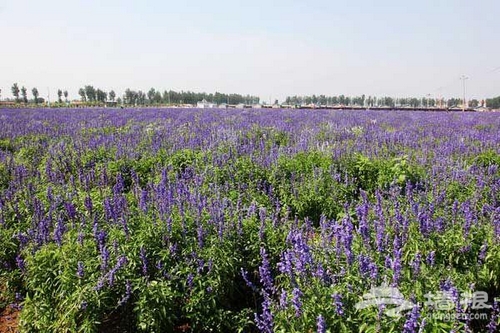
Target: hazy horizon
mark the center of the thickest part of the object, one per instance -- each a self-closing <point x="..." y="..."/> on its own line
<point x="385" y="48"/>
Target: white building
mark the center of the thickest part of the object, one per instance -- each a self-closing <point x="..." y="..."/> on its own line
<point x="205" y="105"/>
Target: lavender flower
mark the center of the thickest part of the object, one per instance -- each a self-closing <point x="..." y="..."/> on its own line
<point x="144" y="261"/>
<point x="482" y="252"/>
<point x="431" y="258"/>
<point x="415" y="264"/>
<point x="128" y="293"/>
<point x="339" y="306"/>
<point x="249" y="283"/>
<point x="493" y="324"/>
<point x="189" y="280"/>
<point x="283" y="299"/>
<point x="20" y="263"/>
<point x="80" y="270"/>
<point x="321" y="324"/>
<point x="296" y="301"/>
<point x="265" y="321"/>
<point x="411" y="324"/>
<point x="265" y="272"/>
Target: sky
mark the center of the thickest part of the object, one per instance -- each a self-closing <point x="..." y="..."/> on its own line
<point x="271" y="49"/>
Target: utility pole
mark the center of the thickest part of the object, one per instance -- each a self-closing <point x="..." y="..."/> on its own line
<point x="463" y="78"/>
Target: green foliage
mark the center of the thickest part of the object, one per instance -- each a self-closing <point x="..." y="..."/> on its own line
<point x="6" y="145"/>
<point x="305" y="183"/>
<point x="5" y="177"/>
<point x="487" y="158"/>
<point x="371" y="174"/>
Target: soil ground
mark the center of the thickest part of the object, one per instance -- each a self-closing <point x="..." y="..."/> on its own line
<point x="9" y="320"/>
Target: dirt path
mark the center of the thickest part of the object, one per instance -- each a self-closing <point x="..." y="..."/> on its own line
<point x="9" y="321"/>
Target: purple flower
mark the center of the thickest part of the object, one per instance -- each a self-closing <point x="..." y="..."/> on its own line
<point x="111" y="275"/>
<point x="283" y="299"/>
<point x="70" y="210"/>
<point x="321" y="324"/>
<point x="362" y="213"/>
<point x="80" y="270"/>
<point x="59" y="232"/>
<point x="265" y="272"/>
<point x="200" y="233"/>
<point x="285" y="265"/>
<point x="20" y="263"/>
<point x="482" y="252"/>
<point x="493" y="324"/>
<point x="415" y="264"/>
<point x="265" y="321"/>
<point x="296" y="301"/>
<point x="144" y="261"/>
<point x="189" y="280"/>
<point x="88" y="204"/>
<point x="128" y="293"/>
<point x="104" y="258"/>
<point x="143" y="202"/>
<point x="339" y="306"/>
<point x="431" y="258"/>
<point x="411" y="324"/>
<point x="249" y="283"/>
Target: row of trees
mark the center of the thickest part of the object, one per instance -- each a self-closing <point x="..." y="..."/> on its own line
<point x="155" y="97"/>
<point x="371" y="101"/>
<point x="493" y="102"/>
<point x="91" y="94"/>
<point x="21" y="95"/>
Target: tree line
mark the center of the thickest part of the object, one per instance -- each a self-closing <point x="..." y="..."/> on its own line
<point x="372" y="101"/>
<point x="21" y="95"/>
<point x="157" y="97"/>
<point x="493" y="103"/>
<point x="96" y="96"/>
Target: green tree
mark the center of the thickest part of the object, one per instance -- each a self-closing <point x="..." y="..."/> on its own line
<point x="151" y="95"/>
<point x="34" y="91"/>
<point x="15" y="92"/>
<point x="157" y="97"/>
<point x="493" y="103"/>
<point x="90" y="92"/>
<point x="101" y="96"/>
<point x="24" y="94"/>
<point x="112" y="95"/>
<point x="473" y="103"/>
<point x="59" y="95"/>
<point x="66" y="96"/>
<point x="81" y="92"/>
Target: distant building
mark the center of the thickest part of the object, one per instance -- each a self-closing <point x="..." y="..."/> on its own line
<point x="205" y="105"/>
<point x="78" y="103"/>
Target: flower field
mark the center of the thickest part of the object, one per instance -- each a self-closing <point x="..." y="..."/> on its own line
<point x="170" y="220"/>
